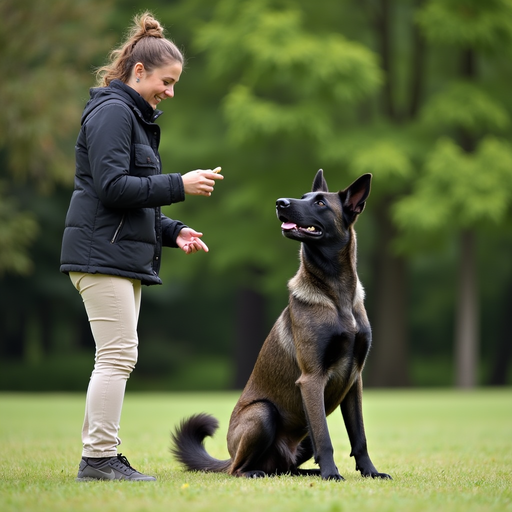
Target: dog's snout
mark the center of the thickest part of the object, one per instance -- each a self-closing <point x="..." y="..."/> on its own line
<point x="282" y="203"/>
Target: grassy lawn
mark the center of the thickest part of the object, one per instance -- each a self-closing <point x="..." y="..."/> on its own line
<point x="446" y="450"/>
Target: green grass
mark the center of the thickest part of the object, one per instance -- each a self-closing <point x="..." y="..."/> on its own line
<point x="446" y="450"/>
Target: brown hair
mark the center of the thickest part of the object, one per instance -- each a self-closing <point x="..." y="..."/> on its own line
<point x="145" y="43"/>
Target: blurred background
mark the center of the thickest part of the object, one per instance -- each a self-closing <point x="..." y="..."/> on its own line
<point x="417" y="92"/>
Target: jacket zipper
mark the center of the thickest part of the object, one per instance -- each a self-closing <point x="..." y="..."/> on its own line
<point x="114" y="238"/>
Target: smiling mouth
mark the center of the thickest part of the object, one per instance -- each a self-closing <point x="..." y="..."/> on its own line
<point x="290" y="227"/>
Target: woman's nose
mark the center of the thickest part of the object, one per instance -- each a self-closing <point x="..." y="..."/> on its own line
<point x="169" y="92"/>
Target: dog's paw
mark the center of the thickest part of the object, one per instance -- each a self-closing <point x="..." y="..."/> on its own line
<point x="368" y="470"/>
<point x="384" y="476"/>
<point x="333" y="476"/>
<point x="375" y="474"/>
<point x="254" y="474"/>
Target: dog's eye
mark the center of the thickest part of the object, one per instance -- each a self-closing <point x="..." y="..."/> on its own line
<point x="320" y="203"/>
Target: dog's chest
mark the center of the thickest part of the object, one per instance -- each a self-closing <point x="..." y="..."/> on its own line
<point x="342" y="359"/>
<point x="335" y="350"/>
<point x="340" y="378"/>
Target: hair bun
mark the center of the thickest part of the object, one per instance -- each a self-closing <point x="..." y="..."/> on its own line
<point x="148" y="26"/>
<point x="145" y="43"/>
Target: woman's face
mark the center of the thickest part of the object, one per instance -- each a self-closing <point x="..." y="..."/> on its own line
<point x="158" y="85"/>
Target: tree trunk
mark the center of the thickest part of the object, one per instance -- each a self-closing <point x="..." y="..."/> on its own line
<point x="417" y="78"/>
<point x="467" y="322"/>
<point x="45" y="318"/>
<point x="382" y="23"/>
<point x="13" y="334"/>
<point x="250" y="333"/>
<point x="389" y="358"/>
<point x="503" y="355"/>
<point x="467" y="319"/>
<point x="388" y="363"/>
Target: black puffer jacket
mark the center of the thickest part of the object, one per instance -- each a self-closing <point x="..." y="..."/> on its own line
<point x="114" y="224"/>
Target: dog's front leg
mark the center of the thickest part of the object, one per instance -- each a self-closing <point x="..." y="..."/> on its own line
<point x="312" y="392"/>
<point x="352" y="410"/>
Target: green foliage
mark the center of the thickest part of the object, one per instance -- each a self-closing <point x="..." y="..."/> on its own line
<point x="468" y="23"/>
<point x="283" y="89"/>
<point x="391" y="153"/>
<point x="468" y="106"/>
<point x="286" y="79"/>
<point x="250" y="117"/>
<point x="160" y="366"/>
<point x="272" y="91"/>
<point x="459" y="190"/>
<point x="47" y="50"/>
<point x="17" y="232"/>
<point x="385" y="159"/>
<point x="275" y="89"/>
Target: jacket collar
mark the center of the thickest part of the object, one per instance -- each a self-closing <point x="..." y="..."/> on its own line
<point x="148" y="113"/>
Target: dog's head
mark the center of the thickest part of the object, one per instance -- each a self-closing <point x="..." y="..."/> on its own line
<point x="321" y="215"/>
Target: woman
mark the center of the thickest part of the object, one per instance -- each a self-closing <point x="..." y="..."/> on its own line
<point x="115" y="231"/>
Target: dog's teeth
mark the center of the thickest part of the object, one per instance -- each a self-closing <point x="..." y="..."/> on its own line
<point x="311" y="228"/>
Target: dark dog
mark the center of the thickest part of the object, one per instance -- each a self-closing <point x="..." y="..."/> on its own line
<point x="312" y="360"/>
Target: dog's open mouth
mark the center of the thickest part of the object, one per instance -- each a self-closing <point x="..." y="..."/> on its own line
<point x="308" y="230"/>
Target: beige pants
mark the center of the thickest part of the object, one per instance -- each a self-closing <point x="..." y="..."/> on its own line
<point x="112" y="304"/>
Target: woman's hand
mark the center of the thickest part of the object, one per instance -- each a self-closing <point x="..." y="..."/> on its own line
<point x="189" y="241"/>
<point x="201" y="182"/>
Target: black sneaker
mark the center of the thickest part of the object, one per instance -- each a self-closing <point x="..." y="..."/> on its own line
<point x="109" y="468"/>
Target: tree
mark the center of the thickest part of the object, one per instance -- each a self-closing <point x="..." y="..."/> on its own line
<point x="273" y="90"/>
<point x="418" y="103"/>
<point x="385" y="143"/>
<point x="467" y="175"/>
<point x="47" y="49"/>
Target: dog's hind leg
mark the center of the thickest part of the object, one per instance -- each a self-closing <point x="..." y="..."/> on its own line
<point x="352" y="410"/>
<point x="250" y="437"/>
<point x="304" y="453"/>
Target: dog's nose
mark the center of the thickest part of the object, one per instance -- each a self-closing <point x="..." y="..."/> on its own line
<point x="282" y="203"/>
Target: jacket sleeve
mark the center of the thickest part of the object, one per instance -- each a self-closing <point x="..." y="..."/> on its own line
<point x="109" y="143"/>
<point x="170" y="231"/>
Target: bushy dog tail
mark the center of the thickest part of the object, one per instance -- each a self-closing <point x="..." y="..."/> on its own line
<point x="188" y="447"/>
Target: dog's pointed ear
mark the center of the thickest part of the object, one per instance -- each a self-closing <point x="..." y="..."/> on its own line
<point x="354" y="197"/>
<point x="319" y="183"/>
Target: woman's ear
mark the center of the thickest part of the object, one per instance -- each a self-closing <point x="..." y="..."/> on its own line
<point x="138" y="69"/>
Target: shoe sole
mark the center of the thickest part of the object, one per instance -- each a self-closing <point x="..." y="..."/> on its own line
<point x="92" y="479"/>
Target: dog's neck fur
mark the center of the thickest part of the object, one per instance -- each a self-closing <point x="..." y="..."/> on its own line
<point x="323" y="293"/>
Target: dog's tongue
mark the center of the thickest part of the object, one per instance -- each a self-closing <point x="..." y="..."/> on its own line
<point x="288" y="225"/>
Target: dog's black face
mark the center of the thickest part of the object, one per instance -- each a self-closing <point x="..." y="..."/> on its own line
<point x="305" y="219"/>
<point x="315" y="216"/>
